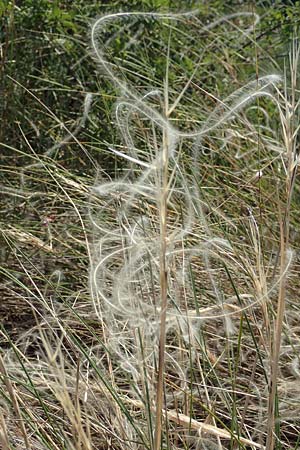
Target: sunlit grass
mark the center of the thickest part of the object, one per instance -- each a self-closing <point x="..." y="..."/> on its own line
<point x="156" y="300"/>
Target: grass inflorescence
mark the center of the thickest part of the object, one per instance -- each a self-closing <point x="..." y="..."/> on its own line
<point x="159" y="293"/>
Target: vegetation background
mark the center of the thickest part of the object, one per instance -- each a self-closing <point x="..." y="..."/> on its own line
<point x="62" y="385"/>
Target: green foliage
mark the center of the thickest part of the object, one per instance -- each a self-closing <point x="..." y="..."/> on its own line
<point x="280" y="21"/>
<point x="6" y="7"/>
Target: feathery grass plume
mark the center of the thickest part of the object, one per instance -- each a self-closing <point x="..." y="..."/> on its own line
<point x="154" y="228"/>
<point x="175" y="348"/>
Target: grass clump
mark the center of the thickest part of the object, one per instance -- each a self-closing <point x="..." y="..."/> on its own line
<point x="183" y="333"/>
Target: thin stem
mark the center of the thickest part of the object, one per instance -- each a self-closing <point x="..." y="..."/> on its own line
<point x="163" y="294"/>
<point x="290" y="144"/>
<point x="275" y="351"/>
<point x="163" y="273"/>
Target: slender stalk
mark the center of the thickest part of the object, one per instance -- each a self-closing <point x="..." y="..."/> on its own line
<point x="275" y="351"/>
<point x="163" y="294"/>
<point x="163" y="211"/>
<point x="290" y="144"/>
